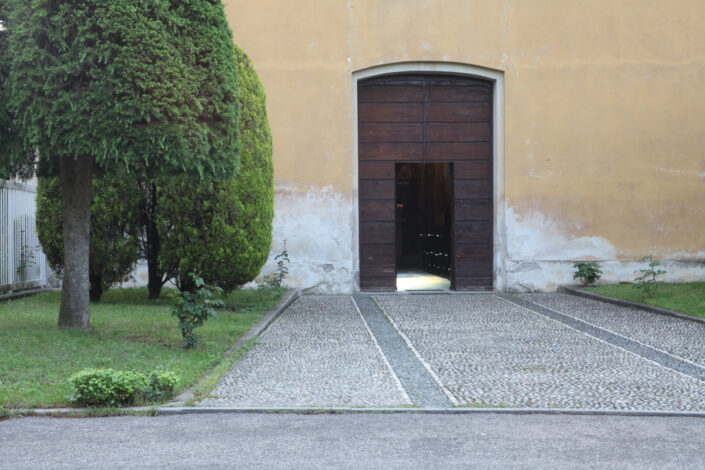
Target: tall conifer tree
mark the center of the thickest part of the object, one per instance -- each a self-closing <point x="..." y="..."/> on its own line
<point x="94" y="85"/>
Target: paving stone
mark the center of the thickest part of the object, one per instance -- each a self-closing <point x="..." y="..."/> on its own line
<point x="486" y="351"/>
<point x="318" y="353"/>
<point x="682" y="338"/>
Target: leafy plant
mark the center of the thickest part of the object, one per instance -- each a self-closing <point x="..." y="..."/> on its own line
<point x="276" y="278"/>
<point x="587" y="272"/>
<point x="648" y="281"/>
<point x="109" y="387"/>
<point x="104" y="387"/>
<point x="159" y="385"/>
<point x="194" y="308"/>
<point x="26" y="256"/>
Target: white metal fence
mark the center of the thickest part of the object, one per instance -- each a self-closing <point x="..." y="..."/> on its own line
<point x="22" y="262"/>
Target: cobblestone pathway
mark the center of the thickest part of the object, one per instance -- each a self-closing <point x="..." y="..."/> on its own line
<point x="318" y="353"/>
<point x="470" y="350"/>
<point x="488" y="351"/>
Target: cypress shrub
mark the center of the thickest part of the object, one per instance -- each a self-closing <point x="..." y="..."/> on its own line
<point x="222" y="229"/>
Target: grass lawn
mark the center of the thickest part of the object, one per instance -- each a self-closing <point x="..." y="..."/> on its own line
<point x="685" y="297"/>
<point x="129" y="332"/>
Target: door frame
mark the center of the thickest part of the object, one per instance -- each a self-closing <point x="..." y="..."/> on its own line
<point x="444" y="68"/>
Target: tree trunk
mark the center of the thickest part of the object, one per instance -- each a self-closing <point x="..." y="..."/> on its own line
<point x="96" y="291"/>
<point x="76" y="173"/>
<point x="155" y="282"/>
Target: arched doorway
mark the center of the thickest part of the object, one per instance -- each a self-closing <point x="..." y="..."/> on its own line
<point x="425" y="189"/>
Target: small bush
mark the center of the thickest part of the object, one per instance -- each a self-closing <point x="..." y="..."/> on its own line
<point x="194" y="308"/>
<point x="109" y="387"/>
<point x="105" y="387"/>
<point x="159" y="385"/>
<point x="587" y="272"/>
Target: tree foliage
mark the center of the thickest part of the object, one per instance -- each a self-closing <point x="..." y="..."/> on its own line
<point x="15" y="160"/>
<point x="114" y="229"/>
<point x="149" y="84"/>
<point x="146" y="85"/>
<point x="222" y="229"/>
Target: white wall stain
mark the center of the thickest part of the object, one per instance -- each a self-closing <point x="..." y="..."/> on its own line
<point x="316" y="226"/>
<point x="534" y="236"/>
<point x="541" y="254"/>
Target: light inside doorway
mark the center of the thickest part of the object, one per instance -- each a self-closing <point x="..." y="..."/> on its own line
<point x="424" y="195"/>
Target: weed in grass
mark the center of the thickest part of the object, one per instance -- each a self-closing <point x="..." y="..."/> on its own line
<point x="10" y="413"/>
<point x="648" y="281"/>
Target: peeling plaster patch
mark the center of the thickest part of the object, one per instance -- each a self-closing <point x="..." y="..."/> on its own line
<point x="533" y="236"/>
<point x="316" y="225"/>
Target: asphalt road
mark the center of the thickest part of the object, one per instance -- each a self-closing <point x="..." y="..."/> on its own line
<point x="354" y="441"/>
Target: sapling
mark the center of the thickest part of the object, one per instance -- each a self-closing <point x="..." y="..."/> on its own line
<point x="648" y="281"/>
<point x="587" y="272"/>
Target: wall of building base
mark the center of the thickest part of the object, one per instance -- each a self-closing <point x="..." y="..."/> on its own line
<point x="317" y="227"/>
<point x="546" y="276"/>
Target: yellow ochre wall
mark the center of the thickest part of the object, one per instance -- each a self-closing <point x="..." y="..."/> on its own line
<point x="604" y="124"/>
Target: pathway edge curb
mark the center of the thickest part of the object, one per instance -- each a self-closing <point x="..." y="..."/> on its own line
<point x="182" y="410"/>
<point x="257" y="329"/>
<point x="26" y="293"/>
<point x="261" y="326"/>
<point x="627" y="303"/>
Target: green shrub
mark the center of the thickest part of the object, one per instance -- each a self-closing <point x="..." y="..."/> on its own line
<point x="254" y="182"/>
<point x="194" y="307"/>
<point x="159" y="385"/>
<point x="100" y="86"/>
<point x="587" y="272"/>
<point x="105" y="387"/>
<point x="109" y="387"/>
<point x="114" y="229"/>
<point x="222" y="229"/>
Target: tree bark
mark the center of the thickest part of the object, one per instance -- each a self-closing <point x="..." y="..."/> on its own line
<point x="76" y="174"/>
<point x="96" y="290"/>
<point x="155" y="281"/>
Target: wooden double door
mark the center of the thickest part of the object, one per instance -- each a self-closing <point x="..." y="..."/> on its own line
<point x="421" y="121"/>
